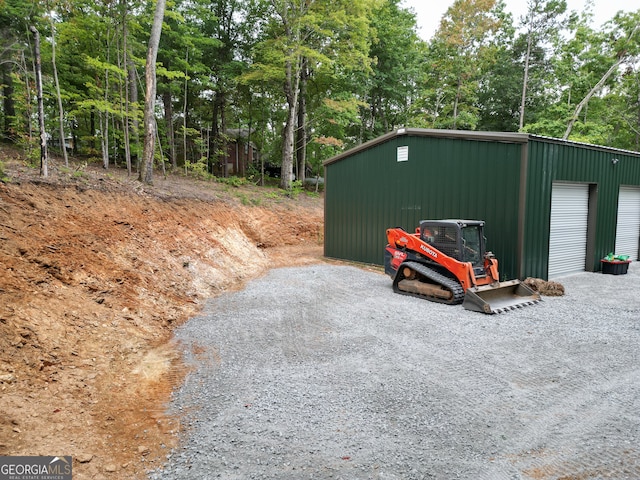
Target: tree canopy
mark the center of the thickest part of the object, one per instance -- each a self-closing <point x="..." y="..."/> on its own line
<point x="302" y="80"/>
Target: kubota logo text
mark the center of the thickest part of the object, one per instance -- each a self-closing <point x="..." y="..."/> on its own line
<point x="429" y="251"/>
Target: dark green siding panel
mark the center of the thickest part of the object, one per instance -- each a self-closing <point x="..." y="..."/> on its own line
<point x="370" y="191"/>
<point x="551" y="161"/>
<point x="541" y="157"/>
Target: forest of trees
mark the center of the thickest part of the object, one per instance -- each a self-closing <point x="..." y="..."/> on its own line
<point x="305" y="79"/>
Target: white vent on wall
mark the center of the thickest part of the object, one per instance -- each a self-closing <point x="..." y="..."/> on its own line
<point x="403" y="154"/>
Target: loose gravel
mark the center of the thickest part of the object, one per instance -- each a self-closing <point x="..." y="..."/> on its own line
<point x="322" y="372"/>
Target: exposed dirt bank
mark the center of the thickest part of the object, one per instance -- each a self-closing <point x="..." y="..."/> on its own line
<point x="96" y="271"/>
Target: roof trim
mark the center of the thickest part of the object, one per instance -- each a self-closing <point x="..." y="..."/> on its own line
<point x="505" y="137"/>
<point x="583" y="144"/>
<point x="359" y="148"/>
<point x="508" y="137"/>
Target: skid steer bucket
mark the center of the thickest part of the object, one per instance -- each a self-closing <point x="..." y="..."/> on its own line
<point x="499" y="297"/>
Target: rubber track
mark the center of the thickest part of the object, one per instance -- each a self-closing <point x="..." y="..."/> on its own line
<point x="446" y="282"/>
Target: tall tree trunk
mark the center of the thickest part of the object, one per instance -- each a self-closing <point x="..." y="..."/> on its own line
<point x="218" y="134"/>
<point x="291" y="90"/>
<point x="168" y="120"/>
<point x="126" y="126"/>
<point x="74" y="138"/>
<point x="104" y="124"/>
<point x="525" y="81"/>
<point x="622" y="56"/>
<point x="63" y="143"/>
<point x="8" y="103"/>
<point x="104" y="138"/>
<point x="373" y="117"/>
<point x="286" y="171"/>
<point x="92" y="127"/>
<point x="28" y="112"/>
<point x="637" y="129"/>
<point x="586" y="99"/>
<point x="133" y="100"/>
<point x="213" y="139"/>
<point x="250" y="159"/>
<point x="44" y="167"/>
<point x="301" y="134"/>
<point x="146" y="169"/>
<point x="223" y="128"/>
<point x="125" y="61"/>
<point x="455" y="105"/>
<point x="184" y="118"/>
<point x="104" y="118"/>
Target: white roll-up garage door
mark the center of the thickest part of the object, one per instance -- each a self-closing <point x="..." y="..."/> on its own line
<point x="628" y="225"/>
<point x="568" y="236"/>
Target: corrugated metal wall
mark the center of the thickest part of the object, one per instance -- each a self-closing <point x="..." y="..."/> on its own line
<point x="551" y="161"/>
<point x="371" y="191"/>
<point x="471" y="175"/>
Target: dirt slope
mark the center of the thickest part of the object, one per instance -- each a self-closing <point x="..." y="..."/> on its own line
<point x="95" y="272"/>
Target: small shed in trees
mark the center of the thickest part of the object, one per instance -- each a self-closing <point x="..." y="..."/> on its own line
<point x="552" y="207"/>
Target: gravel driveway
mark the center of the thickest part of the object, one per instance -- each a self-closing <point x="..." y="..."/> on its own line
<point x="323" y="372"/>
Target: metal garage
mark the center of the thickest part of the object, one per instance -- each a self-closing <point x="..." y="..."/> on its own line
<point x="551" y="206"/>
<point x="628" y="223"/>
<point x="568" y="229"/>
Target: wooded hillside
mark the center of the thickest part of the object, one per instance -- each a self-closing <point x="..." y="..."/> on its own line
<point x="291" y="82"/>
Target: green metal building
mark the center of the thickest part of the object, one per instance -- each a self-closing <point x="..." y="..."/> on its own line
<point x="551" y="207"/>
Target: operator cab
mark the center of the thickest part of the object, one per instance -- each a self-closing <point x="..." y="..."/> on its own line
<point x="459" y="239"/>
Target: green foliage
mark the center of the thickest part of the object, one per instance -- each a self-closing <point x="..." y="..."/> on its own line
<point x="499" y="100"/>
<point x="232" y="181"/>
<point x="295" y="189"/>
<point x="552" y="123"/>
<point x="462" y="51"/>
<point x="247" y="200"/>
<point x="313" y="194"/>
<point x="30" y="149"/>
<point x="396" y="53"/>
<point x="199" y="169"/>
<point x="238" y="65"/>
<point x="274" y="195"/>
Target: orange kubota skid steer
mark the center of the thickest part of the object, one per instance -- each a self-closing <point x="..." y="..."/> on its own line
<point x="445" y="261"/>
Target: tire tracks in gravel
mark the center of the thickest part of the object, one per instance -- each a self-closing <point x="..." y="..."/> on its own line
<point x="323" y="372"/>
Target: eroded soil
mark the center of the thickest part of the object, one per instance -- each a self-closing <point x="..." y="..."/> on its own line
<point x="95" y="272"/>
